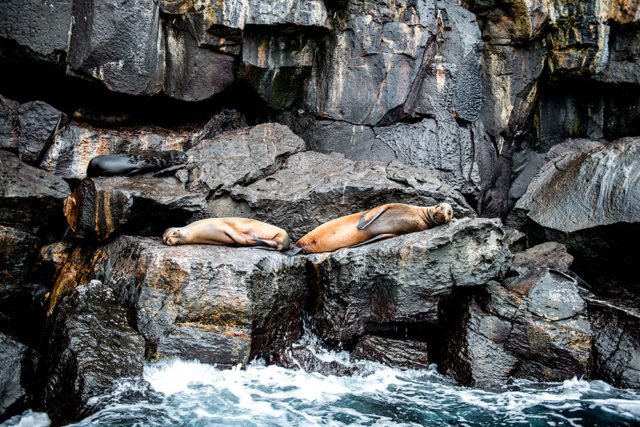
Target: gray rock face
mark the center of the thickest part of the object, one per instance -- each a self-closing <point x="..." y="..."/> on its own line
<point x="99" y="208"/>
<point x="312" y="188"/>
<point x="37" y="123"/>
<point x="90" y="346"/>
<point x="17" y="254"/>
<point x="392" y="352"/>
<point x="461" y="155"/>
<point x="534" y="326"/>
<point x="43" y="27"/>
<point x="217" y="304"/>
<point x="121" y="47"/>
<point x="589" y="201"/>
<point x="75" y="146"/>
<point x="617" y="339"/>
<point x="31" y="199"/>
<point x="194" y="73"/>
<point x="403" y="279"/>
<point x="595" y="188"/>
<point x="384" y="63"/>
<point x="12" y="354"/>
<point x="240" y="157"/>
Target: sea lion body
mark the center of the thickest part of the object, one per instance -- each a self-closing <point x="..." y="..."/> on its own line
<point x="382" y="222"/>
<point x="228" y="232"/>
<point x="134" y="163"/>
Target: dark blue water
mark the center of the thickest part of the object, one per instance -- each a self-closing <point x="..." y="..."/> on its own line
<point x="182" y="393"/>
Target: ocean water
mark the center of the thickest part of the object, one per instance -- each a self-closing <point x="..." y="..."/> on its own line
<point x="189" y="393"/>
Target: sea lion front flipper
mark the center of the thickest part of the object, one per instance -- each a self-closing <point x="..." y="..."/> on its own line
<point x="369" y="216"/>
<point x="240" y="239"/>
<point x="375" y="239"/>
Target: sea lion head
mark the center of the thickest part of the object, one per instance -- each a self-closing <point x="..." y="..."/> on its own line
<point x="173" y="236"/>
<point x="442" y="213"/>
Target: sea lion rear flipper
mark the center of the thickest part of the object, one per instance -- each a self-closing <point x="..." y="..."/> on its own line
<point x="369" y="216"/>
<point x="375" y="239"/>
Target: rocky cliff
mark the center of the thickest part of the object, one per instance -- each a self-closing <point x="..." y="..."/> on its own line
<point x="523" y="115"/>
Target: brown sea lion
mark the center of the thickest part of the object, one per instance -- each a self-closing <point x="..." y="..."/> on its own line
<point x="229" y="232"/>
<point x="382" y="222"/>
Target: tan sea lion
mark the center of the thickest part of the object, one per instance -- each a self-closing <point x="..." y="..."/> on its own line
<point x="229" y="232"/>
<point x="382" y="222"/>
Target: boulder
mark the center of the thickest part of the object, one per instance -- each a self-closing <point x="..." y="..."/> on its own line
<point x="534" y="325"/>
<point x="220" y="305"/>
<point x="13" y="395"/>
<point x="124" y="48"/>
<point x="75" y="145"/>
<point x="31" y="199"/>
<point x="240" y="156"/>
<point x="312" y="188"/>
<point x="99" y="208"/>
<point x="41" y="27"/>
<point x="18" y="251"/>
<point x="89" y="345"/>
<point x="616" y="325"/>
<point x="37" y="123"/>
<point x="392" y="352"/>
<point x="402" y="280"/>
<point x="589" y="201"/>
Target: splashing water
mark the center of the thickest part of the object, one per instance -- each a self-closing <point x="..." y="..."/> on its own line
<point x="189" y="393"/>
<point x="184" y="393"/>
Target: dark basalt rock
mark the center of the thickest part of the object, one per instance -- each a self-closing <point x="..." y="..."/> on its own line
<point x="13" y="395"/>
<point x="37" y="123"/>
<point x="461" y="154"/>
<point x="219" y="305"/>
<point x="18" y="251"/>
<point x="8" y="123"/>
<point x="312" y="188"/>
<point x="616" y="325"/>
<point x="392" y="352"/>
<point x="99" y="208"/>
<point x="41" y="27"/>
<point x="240" y="157"/>
<point x="121" y="47"/>
<point x="589" y="201"/>
<point x="31" y="199"/>
<point x="534" y="325"/>
<point x="75" y="146"/>
<point x="404" y="279"/>
<point x="89" y="346"/>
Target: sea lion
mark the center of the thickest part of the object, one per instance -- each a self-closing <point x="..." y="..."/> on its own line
<point x="382" y="222"/>
<point x="229" y="232"/>
<point x="134" y="163"/>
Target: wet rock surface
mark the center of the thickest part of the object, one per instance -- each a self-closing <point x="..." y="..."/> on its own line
<point x="617" y="337"/>
<point x="90" y="344"/>
<point x="12" y="390"/>
<point x="534" y="325"/>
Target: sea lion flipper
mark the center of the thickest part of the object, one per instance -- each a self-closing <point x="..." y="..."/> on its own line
<point x="375" y="239"/>
<point x="376" y="212"/>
